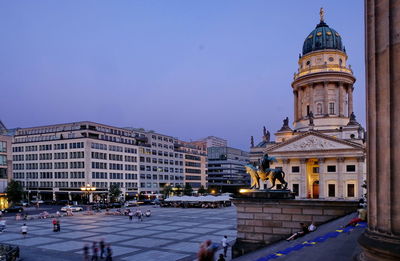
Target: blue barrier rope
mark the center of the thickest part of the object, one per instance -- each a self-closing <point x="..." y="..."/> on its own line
<point x="313" y="242"/>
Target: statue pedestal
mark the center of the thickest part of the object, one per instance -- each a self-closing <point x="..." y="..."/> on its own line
<point x="267" y="216"/>
<point x="267" y="194"/>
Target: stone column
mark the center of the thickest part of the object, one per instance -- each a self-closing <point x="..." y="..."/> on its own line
<point x="299" y="104"/>
<point x="303" y="179"/>
<point x="340" y="177"/>
<point x="326" y="99"/>
<point x="360" y="171"/>
<point x="350" y="102"/>
<point x="381" y="241"/>
<point x="311" y="100"/>
<point x="322" y="173"/>
<point x="341" y="99"/>
<point x="296" y="97"/>
<point x="285" y="169"/>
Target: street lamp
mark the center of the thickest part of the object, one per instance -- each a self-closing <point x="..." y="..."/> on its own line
<point x="88" y="189"/>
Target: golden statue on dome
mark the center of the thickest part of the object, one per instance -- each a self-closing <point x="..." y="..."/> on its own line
<point x="321" y="14"/>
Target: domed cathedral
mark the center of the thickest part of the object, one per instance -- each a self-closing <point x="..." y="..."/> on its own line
<point x="323" y="154"/>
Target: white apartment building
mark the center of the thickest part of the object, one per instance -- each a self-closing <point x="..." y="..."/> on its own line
<point x="55" y="161"/>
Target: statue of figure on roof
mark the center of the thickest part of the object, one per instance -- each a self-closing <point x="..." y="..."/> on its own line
<point x="286" y="122"/>
<point x="311" y="118"/>
<point x="321" y="14"/>
<point x="252" y="141"/>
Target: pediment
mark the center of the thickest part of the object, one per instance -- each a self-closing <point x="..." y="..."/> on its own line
<point x="313" y="142"/>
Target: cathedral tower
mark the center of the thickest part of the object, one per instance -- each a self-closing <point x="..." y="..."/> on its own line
<point x="323" y="84"/>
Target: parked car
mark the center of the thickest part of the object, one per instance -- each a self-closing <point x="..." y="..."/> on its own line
<point x="115" y="205"/>
<point x="72" y="208"/>
<point x="132" y="203"/>
<point x="14" y="209"/>
<point x="37" y="201"/>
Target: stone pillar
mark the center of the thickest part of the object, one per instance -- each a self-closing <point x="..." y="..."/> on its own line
<point x="322" y="173"/>
<point x="341" y="99"/>
<point x="296" y="97"/>
<point x="299" y="104"/>
<point x="350" y="102"/>
<point x="381" y="241"/>
<point x="303" y="179"/>
<point x="326" y="99"/>
<point x="311" y="100"/>
<point x="340" y="178"/>
<point x="286" y="169"/>
<point x="360" y="171"/>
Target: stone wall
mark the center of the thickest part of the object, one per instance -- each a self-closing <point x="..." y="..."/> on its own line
<point x="262" y="221"/>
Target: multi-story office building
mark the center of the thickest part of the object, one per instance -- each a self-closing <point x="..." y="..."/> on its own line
<point x="226" y="172"/>
<point x="5" y="164"/>
<point x="212" y="141"/>
<point x="195" y="163"/>
<point x="56" y="161"/>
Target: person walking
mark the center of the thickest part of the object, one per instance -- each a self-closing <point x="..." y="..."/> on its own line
<point x="54" y="222"/>
<point x="130" y="215"/>
<point x="24" y="230"/>
<point x="95" y="252"/>
<point x="225" y="244"/>
<point x="86" y="252"/>
<point x="109" y="253"/>
<point x="102" y="248"/>
<point x="58" y="227"/>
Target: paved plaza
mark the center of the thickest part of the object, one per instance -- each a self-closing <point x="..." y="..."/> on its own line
<point x="169" y="234"/>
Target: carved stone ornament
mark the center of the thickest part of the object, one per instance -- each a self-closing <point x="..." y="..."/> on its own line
<point x="313" y="143"/>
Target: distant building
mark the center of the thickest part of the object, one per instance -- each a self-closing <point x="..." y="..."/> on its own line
<point x="226" y="172"/>
<point x="195" y="163"/>
<point x="323" y="156"/>
<point x="5" y="164"/>
<point x="55" y="161"/>
<point x="212" y="141"/>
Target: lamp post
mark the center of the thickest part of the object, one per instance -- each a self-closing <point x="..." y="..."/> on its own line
<point x="87" y="190"/>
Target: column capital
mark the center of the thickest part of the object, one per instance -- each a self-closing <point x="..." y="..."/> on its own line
<point x="361" y="159"/>
<point x="340" y="159"/>
<point x="286" y="161"/>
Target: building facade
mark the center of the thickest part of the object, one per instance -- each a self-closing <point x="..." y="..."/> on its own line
<point x="195" y="163"/>
<point x="226" y="172"/>
<point x="54" y="162"/>
<point x="5" y="167"/>
<point x="323" y="156"/>
<point x="212" y="141"/>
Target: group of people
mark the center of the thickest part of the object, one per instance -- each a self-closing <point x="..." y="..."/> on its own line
<point x="208" y="249"/>
<point x="138" y="213"/>
<point x="100" y="250"/>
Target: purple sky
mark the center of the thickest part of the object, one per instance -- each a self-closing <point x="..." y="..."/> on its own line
<point x="189" y="69"/>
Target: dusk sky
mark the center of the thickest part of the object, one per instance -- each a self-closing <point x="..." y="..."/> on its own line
<point x="188" y="69"/>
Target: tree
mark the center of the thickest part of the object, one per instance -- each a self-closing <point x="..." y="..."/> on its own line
<point x="166" y="190"/>
<point x="114" y="192"/>
<point x="202" y="190"/>
<point x="188" y="190"/>
<point x="14" y="191"/>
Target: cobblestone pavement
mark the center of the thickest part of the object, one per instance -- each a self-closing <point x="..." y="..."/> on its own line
<point x="169" y="234"/>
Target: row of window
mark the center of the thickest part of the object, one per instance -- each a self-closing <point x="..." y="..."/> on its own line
<point x="49" y="175"/>
<point x="160" y="177"/>
<point x="329" y="168"/>
<point x="331" y="190"/>
<point x="61" y="146"/>
<point x="160" y="169"/>
<point x="49" y="165"/>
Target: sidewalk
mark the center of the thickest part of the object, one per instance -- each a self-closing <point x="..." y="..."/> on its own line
<point x="341" y="246"/>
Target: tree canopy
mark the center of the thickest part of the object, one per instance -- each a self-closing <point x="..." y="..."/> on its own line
<point x="14" y="191"/>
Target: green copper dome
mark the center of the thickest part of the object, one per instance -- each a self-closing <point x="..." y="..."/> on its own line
<point x="323" y="37"/>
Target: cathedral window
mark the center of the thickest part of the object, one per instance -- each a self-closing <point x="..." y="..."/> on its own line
<point x="331" y="108"/>
<point x="308" y="109"/>
<point x="350" y="190"/>
<point x="331" y="168"/>
<point x="296" y="189"/>
<point x="295" y="169"/>
<point x="351" y="168"/>
<point x="331" y="190"/>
